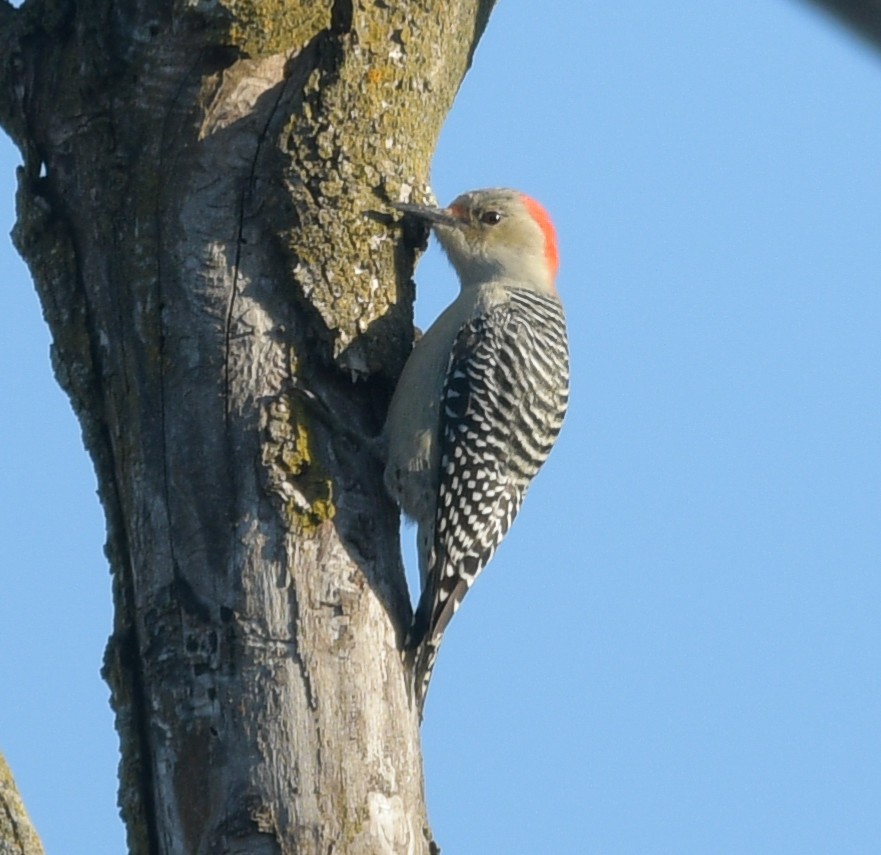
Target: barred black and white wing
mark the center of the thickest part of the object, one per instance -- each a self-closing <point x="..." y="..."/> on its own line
<point x="504" y="399"/>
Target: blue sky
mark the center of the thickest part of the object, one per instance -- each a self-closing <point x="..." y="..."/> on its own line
<point x="677" y="649"/>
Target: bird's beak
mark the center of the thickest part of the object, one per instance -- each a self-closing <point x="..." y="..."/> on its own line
<point x="434" y="216"/>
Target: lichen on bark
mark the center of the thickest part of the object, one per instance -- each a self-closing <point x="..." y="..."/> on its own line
<point x="294" y="475"/>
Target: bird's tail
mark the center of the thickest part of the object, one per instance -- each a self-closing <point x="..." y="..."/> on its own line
<point x="420" y="651"/>
<point x="420" y="659"/>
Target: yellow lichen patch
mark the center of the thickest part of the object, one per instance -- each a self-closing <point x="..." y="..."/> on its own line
<point x="381" y="74"/>
<point x="262" y="27"/>
<point x="293" y="475"/>
<point x="295" y="452"/>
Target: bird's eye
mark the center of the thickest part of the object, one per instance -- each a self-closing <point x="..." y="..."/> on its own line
<point x="490" y="218"/>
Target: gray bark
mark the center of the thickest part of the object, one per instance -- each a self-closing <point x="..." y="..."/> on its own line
<point x="203" y="209"/>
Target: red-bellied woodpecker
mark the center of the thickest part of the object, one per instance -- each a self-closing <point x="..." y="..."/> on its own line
<point x="480" y="401"/>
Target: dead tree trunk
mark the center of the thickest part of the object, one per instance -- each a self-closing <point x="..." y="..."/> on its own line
<point x="202" y="206"/>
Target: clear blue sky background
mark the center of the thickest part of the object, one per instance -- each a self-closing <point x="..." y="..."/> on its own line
<point x="678" y="648"/>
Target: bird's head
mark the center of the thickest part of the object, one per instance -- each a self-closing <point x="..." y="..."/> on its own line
<point x="496" y="234"/>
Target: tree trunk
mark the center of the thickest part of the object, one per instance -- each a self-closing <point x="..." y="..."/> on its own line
<point x="203" y="209"/>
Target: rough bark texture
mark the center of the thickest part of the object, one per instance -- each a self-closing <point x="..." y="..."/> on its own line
<point x="17" y="835"/>
<point x="202" y="206"/>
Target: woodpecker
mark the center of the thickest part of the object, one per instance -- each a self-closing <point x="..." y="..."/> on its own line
<point x="480" y="401"/>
